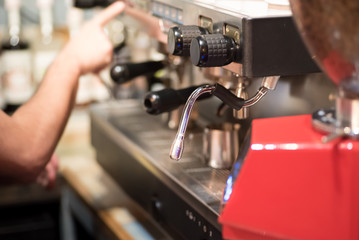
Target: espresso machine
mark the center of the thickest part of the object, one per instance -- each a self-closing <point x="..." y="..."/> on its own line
<point x="249" y="67"/>
<point x="301" y="182"/>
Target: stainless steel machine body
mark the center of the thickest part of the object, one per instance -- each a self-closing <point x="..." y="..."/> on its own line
<point x="184" y="196"/>
<point x="133" y="147"/>
<point x="269" y="42"/>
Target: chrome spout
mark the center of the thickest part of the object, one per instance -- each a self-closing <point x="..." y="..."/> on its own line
<point x="178" y="143"/>
<point x="258" y="96"/>
<point x="268" y="83"/>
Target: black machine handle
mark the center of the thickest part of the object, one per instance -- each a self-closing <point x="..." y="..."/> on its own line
<point x="228" y="97"/>
<point x="168" y="99"/>
<point x="121" y="73"/>
<point x="92" y="3"/>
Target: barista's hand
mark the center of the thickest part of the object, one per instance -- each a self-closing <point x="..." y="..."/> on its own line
<point x="47" y="177"/>
<point x="90" y="49"/>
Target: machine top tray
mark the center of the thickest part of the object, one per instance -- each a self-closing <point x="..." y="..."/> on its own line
<point x="250" y="8"/>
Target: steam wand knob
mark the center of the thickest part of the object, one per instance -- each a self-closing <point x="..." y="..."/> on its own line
<point x="180" y="37"/>
<point x="219" y="91"/>
<point x="214" y="50"/>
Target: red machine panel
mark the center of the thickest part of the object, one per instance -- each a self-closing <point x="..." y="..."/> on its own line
<point x="292" y="186"/>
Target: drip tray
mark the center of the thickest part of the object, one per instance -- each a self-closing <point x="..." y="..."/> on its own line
<point x="129" y="142"/>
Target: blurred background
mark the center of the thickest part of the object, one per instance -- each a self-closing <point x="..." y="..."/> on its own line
<point x="31" y="34"/>
<point x="30" y="13"/>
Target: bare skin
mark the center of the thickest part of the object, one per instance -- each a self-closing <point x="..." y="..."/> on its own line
<point x="28" y="138"/>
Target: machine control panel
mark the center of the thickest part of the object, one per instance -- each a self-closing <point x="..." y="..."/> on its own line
<point x="250" y="44"/>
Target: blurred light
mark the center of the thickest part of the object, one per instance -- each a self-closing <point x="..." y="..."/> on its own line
<point x="289" y="146"/>
<point x="257" y="146"/>
<point x="228" y="190"/>
<point x="270" y="147"/>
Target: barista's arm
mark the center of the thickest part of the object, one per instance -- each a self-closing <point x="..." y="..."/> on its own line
<point x="28" y="138"/>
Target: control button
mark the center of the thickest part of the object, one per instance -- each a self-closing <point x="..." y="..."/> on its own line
<point x="167" y="12"/>
<point x="180" y="16"/>
<point x="214" y="50"/>
<point x="156" y="208"/>
<point x="179" y="39"/>
<point x="174" y="14"/>
<point x="160" y="9"/>
<point x="155" y="7"/>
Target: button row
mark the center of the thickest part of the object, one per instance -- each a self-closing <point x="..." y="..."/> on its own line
<point x="167" y="12"/>
<point x="204" y="227"/>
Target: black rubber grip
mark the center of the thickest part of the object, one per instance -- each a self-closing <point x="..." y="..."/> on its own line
<point x="212" y="50"/>
<point x="121" y="73"/>
<point x="19" y="45"/>
<point x="92" y="3"/>
<point x="228" y="97"/>
<point x="179" y="39"/>
<point x="168" y="99"/>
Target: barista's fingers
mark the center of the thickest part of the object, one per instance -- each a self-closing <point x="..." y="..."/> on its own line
<point x="54" y="161"/>
<point x="109" y="13"/>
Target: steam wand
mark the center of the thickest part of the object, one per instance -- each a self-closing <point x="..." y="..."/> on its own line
<point x="268" y="83"/>
<point x="226" y="96"/>
<point x="177" y="145"/>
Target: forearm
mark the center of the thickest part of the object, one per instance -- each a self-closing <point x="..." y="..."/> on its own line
<point x="29" y="137"/>
<point x="48" y="111"/>
<point x="37" y="126"/>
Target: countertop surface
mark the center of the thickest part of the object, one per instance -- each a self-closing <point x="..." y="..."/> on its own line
<point x="80" y="170"/>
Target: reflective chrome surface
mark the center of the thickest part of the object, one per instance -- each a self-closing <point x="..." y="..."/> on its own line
<point x="178" y="144"/>
<point x="221" y="145"/>
<point x="147" y="140"/>
<point x="348" y="114"/>
<point x="268" y="83"/>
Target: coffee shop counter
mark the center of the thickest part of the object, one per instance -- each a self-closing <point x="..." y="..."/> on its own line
<point x="92" y="204"/>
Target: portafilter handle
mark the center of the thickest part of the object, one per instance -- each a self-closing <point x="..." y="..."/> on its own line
<point x="122" y="73"/>
<point x="168" y="99"/>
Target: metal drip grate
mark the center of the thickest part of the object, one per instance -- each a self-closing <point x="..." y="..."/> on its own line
<point x="151" y="135"/>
